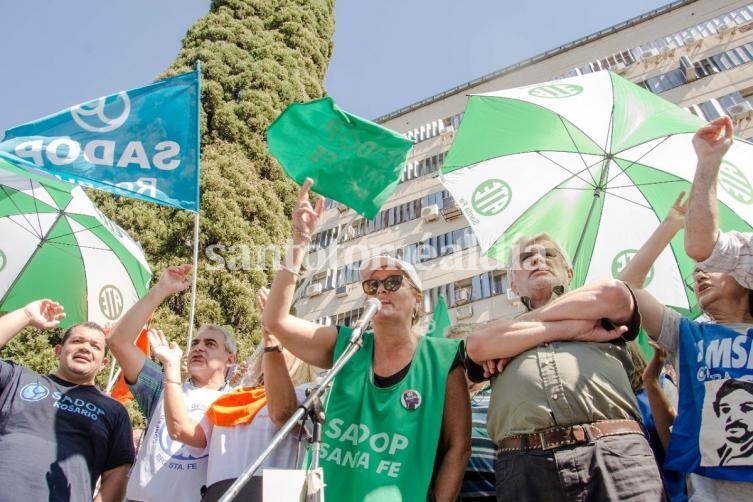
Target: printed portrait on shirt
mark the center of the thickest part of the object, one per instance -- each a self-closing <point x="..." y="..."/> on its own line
<point x="727" y="423"/>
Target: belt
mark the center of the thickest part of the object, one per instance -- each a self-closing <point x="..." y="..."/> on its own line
<point x="564" y="436"/>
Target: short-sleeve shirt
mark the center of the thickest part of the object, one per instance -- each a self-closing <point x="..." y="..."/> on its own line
<point x="165" y="466"/>
<point x="562" y="384"/>
<point x="699" y="487"/>
<point x="479" y="478"/>
<point x="232" y="449"/>
<point x="57" y="437"/>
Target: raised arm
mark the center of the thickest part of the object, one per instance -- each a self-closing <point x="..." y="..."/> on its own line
<point x="662" y="410"/>
<point x="310" y="342"/>
<point x="711" y="143"/>
<point x="121" y="340"/>
<point x="279" y="390"/>
<point x="638" y="267"/>
<point x="42" y="314"/>
<point x="180" y="426"/>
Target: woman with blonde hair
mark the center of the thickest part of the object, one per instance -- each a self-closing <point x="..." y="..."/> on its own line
<point x="398" y="414"/>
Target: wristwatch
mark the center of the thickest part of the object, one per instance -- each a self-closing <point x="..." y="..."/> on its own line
<point x="273" y="348"/>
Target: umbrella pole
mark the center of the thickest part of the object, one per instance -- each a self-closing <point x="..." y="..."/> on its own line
<point x="112" y="378"/>
<point x="194" y="274"/>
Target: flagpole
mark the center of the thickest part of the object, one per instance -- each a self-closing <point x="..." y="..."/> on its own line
<point x="194" y="274"/>
<point x="195" y="269"/>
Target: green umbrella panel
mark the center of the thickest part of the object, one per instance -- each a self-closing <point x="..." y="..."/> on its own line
<point x="56" y="244"/>
<point x="596" y="162"/>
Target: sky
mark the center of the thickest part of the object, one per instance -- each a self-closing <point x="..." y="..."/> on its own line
<point x="388" y="53"/>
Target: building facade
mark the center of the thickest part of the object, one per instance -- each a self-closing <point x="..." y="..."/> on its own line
<point x="697" y="54"/>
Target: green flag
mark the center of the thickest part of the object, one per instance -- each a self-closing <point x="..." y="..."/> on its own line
<point x="351" y="160"/>
<point x="440" y="320"/>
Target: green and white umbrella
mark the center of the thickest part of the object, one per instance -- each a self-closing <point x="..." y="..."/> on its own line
<point x="596" y="161"/>
<point x="55" y="244"/>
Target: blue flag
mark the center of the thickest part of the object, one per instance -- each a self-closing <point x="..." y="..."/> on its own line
<point x="142" y="143"/>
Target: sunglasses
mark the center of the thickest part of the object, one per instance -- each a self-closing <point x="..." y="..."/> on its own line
<point x="391" y="283"/>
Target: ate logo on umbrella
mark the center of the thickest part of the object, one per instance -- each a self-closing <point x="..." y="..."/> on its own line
<point x="733" y="181"/>
<point x="491" y="197"/>
<point x="110" y="302"/>
<point x="622" y="259"/>
<point x="2" y="260"/>
<point x="556" y="91"/>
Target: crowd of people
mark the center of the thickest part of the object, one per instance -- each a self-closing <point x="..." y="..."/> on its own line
<point x="556" y="403"/>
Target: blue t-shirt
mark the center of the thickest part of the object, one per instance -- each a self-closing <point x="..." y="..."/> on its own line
<point x="713" y="433"/>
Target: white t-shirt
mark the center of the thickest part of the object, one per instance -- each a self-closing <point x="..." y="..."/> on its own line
<point x="232" y="449"/>
<point x="167" y="469"/>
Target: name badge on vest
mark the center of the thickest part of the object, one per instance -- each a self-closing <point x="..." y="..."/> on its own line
<point x="411" y="399"/>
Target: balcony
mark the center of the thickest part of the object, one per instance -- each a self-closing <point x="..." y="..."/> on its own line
<point x="450" y="209"/>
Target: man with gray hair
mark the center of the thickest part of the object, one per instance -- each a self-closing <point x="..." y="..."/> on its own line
<point x="165" y="466"/>
<point x="562" y="411"/>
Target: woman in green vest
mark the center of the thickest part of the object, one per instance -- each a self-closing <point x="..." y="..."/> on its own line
<point x="398" y="414"/>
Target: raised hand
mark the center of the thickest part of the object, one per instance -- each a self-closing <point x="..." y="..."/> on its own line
<point x="714" y="139"/>
<point x="676" y="214"/>
<point x="306" y="218"/>
<point x="654" y="366"/>
<point x="175" y="279"/>
<point x="44" y="314"/>
<point x="261" y="298"/>
<point x="239" y="372"/>
<point x="167" y="352"/>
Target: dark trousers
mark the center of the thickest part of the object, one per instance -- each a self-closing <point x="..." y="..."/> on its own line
<point x="251" y="492"/>
<point x="609" y="468"/>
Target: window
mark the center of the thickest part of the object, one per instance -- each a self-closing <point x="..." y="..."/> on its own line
<point x="666" y="81"/>
<point x="711" y="109"/>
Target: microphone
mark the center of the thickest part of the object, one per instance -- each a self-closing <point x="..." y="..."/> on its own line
<point x="369" y="311"/>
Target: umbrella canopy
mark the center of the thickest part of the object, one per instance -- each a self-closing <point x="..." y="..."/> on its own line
<point x="56" y="244"/>
<point x="595" y="161"/>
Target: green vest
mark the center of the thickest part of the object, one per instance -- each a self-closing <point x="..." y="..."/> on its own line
<point x="380" y="444"/>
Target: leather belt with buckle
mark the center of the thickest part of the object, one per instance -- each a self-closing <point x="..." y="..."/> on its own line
<point x="564" y="436"/>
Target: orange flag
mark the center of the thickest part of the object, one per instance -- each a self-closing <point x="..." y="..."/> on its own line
<point x="120" y="390"/>
<point x="237" y="407"/>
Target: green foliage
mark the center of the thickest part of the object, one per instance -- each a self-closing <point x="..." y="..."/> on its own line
<point x="34" y="349"/>
<point x="257" y="57"/>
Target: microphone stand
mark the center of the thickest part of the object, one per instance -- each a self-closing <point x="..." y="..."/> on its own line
<point x="308" y="407"/>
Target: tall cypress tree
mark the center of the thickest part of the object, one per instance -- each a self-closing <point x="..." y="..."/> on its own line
<point x="257" y="56"/>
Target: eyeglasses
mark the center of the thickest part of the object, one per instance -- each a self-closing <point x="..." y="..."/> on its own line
<point x="391" y="283"/>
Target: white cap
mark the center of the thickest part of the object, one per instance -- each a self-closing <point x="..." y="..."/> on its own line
<point x="384" y="262"/>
